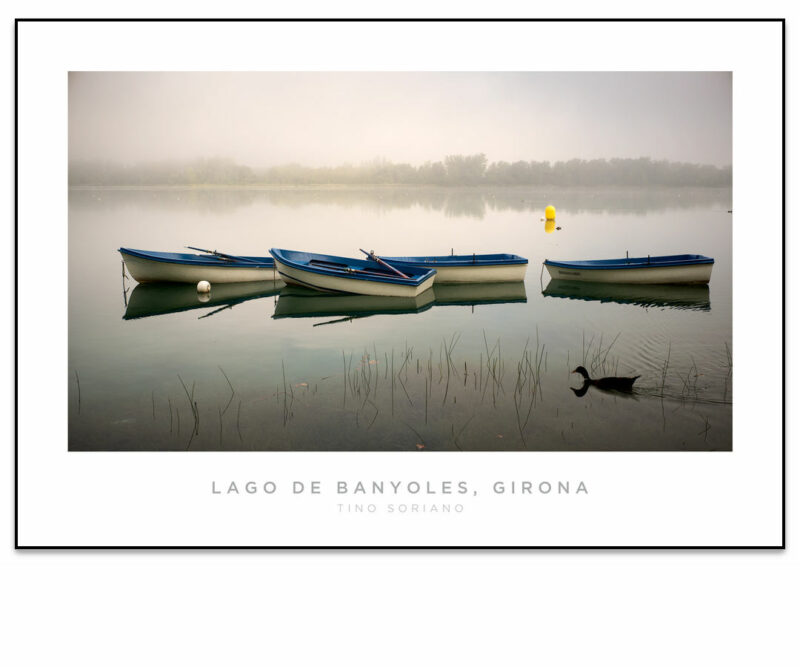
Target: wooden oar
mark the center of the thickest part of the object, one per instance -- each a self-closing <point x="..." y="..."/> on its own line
<point x="371" y="254"/>
<point x="346" y="269"/>
<point x="231" y="258"/>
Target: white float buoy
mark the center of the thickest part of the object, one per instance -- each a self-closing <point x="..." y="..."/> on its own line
<point x="203" y="286"/>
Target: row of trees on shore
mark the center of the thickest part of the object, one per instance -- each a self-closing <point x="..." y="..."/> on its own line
<point x="454" y="170"/>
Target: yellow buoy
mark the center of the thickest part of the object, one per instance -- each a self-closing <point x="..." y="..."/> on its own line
<point x="549" y="226"/>
<point x="550" y="213"/>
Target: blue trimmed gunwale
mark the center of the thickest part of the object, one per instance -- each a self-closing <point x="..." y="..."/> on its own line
<point x="200" y="260"/>
<point x="346" y="267"/>
<point x="633" y="262"/>
<point x="497" y="259"/>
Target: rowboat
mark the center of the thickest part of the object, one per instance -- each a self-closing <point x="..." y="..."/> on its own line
<point x="147" y="266"/>
<point x="329" y="273"/>
<point x="497" y="268"/>
<point x="164" y="298"/>
<point x="681" y="297"/>
<point x="302" y="302"/>
<point x="666" y="269"/>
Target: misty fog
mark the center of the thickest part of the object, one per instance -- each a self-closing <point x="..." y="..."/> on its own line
<point x="581" y="128"/>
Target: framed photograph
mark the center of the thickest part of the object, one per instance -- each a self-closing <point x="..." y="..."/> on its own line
<point x="400" y="284"/>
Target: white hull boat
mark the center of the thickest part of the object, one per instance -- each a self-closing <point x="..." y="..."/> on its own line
<point x="661" y="270"/>
<point x="329" y="273"/>
<point x="148" y="267"/>
<point x="497" y="268"/>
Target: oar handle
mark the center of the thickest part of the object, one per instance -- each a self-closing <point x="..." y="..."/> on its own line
<point x="223" y="255"/>
<point x="375" y="258"/>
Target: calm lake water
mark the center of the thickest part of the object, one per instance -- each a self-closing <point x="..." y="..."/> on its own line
<point x="264" y="367"/>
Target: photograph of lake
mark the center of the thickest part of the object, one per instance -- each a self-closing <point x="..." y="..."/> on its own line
<point x="634" y="165"/>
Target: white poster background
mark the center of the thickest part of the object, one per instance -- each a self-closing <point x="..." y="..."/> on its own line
<point x="635" y="499"/>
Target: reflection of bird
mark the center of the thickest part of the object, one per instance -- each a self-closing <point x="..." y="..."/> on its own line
<point x="581" y="390"/>
<point x="616" y="384"/>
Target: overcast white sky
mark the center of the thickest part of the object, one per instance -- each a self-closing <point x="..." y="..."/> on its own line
<point x="325" y="118"/>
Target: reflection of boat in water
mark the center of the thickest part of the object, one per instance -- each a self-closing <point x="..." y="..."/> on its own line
<point x="300" y="302"/>
<point x="161" y="298"/>
<point x="689" y="297"/>
<point x="471" y="294"/>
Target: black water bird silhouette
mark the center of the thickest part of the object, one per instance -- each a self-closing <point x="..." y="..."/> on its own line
<point x="621" y="384"/>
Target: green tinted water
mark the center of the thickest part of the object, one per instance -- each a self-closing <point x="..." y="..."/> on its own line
<point x="258" y="367"/>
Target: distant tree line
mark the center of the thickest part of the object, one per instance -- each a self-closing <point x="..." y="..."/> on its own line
<point x="454" y="170"/>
